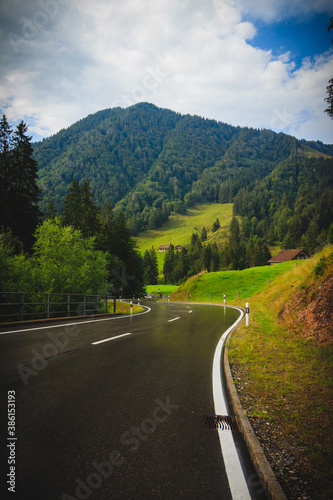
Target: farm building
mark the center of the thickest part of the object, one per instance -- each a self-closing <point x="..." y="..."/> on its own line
<point x="286" y="255"/>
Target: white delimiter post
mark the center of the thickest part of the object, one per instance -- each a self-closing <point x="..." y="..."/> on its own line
<point x="131" y="303"/>
<point x="224" y="297"/>
<point x="247" y="314"/>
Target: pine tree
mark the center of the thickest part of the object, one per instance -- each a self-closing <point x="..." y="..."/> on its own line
<point x="51" y="211"/>
<point x="216" y="225"/>
<point x="5" y="171"/>
<point x="90" y="224"/>
<point x="19" y="190"/>
<point x="72" y="214"/>
<point x="169" y="264"/>
<point x="146" y="267"/>
<point x="153" y="267"/>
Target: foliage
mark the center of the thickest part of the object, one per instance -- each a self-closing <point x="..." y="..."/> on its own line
<point x="67" y="261"/>
<point x="19" y="192"/>
<point x="293" y="205"/>
<point x="150" y="267"/>
<point x="126" y="274"/>
<point x="63" y="261"/>
<point x="151" y="163"/>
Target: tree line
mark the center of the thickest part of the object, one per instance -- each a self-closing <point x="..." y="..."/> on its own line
<point x="237" y="253"/>
<point x="86" y="250"/>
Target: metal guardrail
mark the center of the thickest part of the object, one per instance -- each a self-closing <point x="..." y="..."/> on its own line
<point x="19" y="306"/>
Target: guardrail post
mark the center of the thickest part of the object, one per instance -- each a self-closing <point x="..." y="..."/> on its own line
<point x="22" y="306"/>
<point x="47" y="305"/>
<point x="247" y="314"/>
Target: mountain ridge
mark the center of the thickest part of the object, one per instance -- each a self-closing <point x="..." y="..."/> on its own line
<point x="148" y="161"/>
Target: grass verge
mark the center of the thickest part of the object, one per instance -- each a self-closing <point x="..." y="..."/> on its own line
<point x="167" y="290"/>
<point x="288" y="382"/>
<point x="125" y="308"/>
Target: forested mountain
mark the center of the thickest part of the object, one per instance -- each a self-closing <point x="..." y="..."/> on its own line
<point x="148" y="161"/>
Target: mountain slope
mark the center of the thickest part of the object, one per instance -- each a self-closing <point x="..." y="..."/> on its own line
<point x="148" y="162"/>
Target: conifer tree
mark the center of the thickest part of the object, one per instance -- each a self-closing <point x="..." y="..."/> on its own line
<point x="5" y="170"/>
<point x="51" y="211"/>
<point x="18" y="176"/>
<point x="72" y="214"/>
<point x="90" y="221"/>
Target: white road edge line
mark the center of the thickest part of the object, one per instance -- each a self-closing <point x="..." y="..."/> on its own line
<point x="236" y="479"/>
<point x="173" y="319"/>
<point x="111" y="338"/>
<point x="78" y="322"/>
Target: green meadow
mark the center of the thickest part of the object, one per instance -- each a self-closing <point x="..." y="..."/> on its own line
<point x="234" y="284"/>
<point x="179" y="228"/>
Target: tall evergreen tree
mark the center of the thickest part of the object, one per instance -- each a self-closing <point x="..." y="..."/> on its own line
<point x="51" y="211"/>
<point x="19" y="190"/>
<point x="90" y="224"/>
<point x="72" y="214"/>
<point x="5" y="171"/>
<point x="153" y="267"/>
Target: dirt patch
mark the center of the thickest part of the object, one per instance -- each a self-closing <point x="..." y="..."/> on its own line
<point x="311" y="311"/>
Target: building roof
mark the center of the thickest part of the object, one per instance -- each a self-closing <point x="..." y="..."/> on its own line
<point x="286" y="255"/>
<point x="164" y="247"/>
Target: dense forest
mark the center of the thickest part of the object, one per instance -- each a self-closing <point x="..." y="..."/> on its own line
<point x="148" y="162"/>
<point x="120" y="171"/>
<point x="86" y="250"/>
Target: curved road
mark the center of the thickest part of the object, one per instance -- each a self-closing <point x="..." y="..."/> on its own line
<point x="114" y="408"/>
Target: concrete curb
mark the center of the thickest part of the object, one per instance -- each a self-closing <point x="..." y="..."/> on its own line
<point x="260" y="462"/>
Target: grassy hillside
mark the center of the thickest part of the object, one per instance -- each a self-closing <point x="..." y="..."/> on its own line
<point x="282" y="364"/>
<point x="179" y="228"/>
<point x="246" y="282"/>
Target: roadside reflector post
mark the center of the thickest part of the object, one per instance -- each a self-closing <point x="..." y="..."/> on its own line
<point x="247" y="314"/>
<point x="224" y="297"/>
<point x="131" y="303"/>
<point x="138" y="301"/>
<point x="168" y="300"/>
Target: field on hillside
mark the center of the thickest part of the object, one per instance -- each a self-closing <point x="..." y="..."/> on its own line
<point x="245" y="283"/>
<point x="179" y="228"/>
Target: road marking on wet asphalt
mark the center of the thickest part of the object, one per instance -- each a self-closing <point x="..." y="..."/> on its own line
<point x="111" y="338"/>
<point x="236" y="479"/>
<point x="173" y="319"/>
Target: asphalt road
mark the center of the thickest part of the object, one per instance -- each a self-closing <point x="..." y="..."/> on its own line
<point x="120" y="419"/>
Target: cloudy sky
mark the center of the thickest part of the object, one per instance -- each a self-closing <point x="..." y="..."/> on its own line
<point x="256" y="63"/>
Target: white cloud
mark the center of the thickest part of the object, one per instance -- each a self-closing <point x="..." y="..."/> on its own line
<point x="178" y="54"/>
